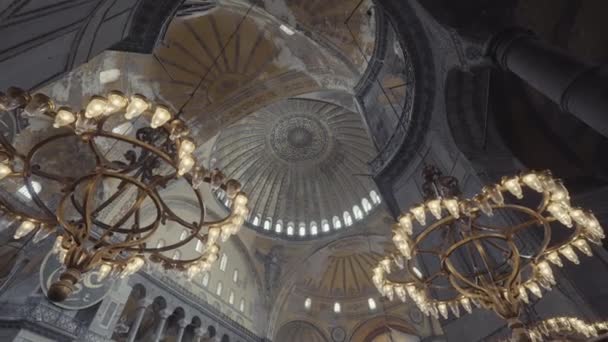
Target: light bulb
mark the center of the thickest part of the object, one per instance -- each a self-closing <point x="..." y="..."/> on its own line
<point x="554" y="258"/>
<point x="186" y="147"/>
<point x="42" y="234"/>
<point x="570" y="254"/>
<point x="133" y="266"/>
<point x="386" y="265"/>
<point x="211" y="258"/>
<point x="523" y="294"/>
<point x="560" y="193"/>
<point x="534" y="288"/>
<point x="419" y="214"/>
<point x="399" y="261"/>
<point x="466" y="304"/>
<point x="405" y="249"/>
<point x="96" y="107"/>
<point x="38" y="105"/>
<point x="443" y="309"/>
<point x="434" y="206"/>
<point x="455" y="308"/>
<point x="484" y="205"/>
<point x="57" y="245"/>
<point x="136" y="107"/>
<point x="401" y="293"/>
<point x="214" y="249"/>
<point x="116" y="101"/>
<point x="532" y="180"/>
<point x="104" y="271"/>
<point x="25" y="228"/>
<point x="5" y="170"/>
<point x="451" y="204"/>
<point x="406" y="223"/>
<point x="387" y="291"/>
<point x="225" y="233"/>
<point x="583" y="246"/>
<point x="161" y="116"/>
<point x="240" y="200"/>
<point x="64" y="117"/>
<point x="212" y="235"/>
<point x="513" y="186"/>
<point x="560" y="212"/>
<point x="495" y="195"/>
<point x="192" y="271"/>
<point x="185" y="165"/>
<point x="546" y="272"/>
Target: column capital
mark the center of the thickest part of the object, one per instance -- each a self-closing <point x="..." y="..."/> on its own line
<point x="199" y="331"/>
<point x="182" y="323"/>
<point x="144" y="303"/>
<point x="164" y="314"/>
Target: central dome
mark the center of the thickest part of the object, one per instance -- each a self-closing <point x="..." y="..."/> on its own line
<point x="299" y="137"/>
<point x="302" y="162"/>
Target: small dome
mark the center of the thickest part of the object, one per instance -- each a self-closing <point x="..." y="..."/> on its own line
<point x="303" y="164"/>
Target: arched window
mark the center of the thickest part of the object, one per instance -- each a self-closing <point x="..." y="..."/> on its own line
<point x="337" y="223"/>
<point x="242" y="305"/>
<point x="358" y="213"/>
<point x="324" y="226"/>
<point x="183" y="235"/>
<point x="267" y="224"/>
<point x="302" y="229"/>
<point x="366" y="205"/>
<point x="337" y="307"/>
<point x="199" y="246"/>
<point x="227" y="202"/>
<point x="218" y="290"/>
<point x="307" y="303"/>
<point x="221" y="194"/>
<point x="374" y="196"/>
<point x="177" y="255"/>
<point x="290" y="228"/>
<point x="160" y="243"/>
<point x="223" y="262"/>
<point x="314" y="230"/>
<point x="347" y="219"/>
<point x="231" y="298"/>
<point x="206" y="279"/>
<point x="278" y="228"/>
<point x="372" y="304"/>
<point x="23" y="191"/>
<point x="256" y="220"/>
<point x="235" y="276"/>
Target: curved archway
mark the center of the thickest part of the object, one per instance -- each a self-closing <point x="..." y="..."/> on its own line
<point x="129" y="312"/>
<point x="300" y="331"/>
<point x="384" y="329"/>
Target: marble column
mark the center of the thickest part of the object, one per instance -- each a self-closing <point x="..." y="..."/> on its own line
<point x="139" y="316"/>
<point x="161" y="325"/>
<point x="577" y="87"/>
<point x="182" y="328"/>
<point x="198" y="334"/>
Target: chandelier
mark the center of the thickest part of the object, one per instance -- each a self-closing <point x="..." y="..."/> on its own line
<point x="103" y="198"/>
<point x="494" y="250"/>
<point x="564" y="329"/>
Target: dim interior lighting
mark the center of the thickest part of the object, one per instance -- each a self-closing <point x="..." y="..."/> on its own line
<point x="337" y="307"/>
<point x="287" y="30"/>
<point x="445" y="286"/>
<point x="155" y="156"/>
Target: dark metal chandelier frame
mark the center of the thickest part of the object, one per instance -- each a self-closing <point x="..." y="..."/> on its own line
<point x="156" y="157"/>
<point x="483" y="264"/>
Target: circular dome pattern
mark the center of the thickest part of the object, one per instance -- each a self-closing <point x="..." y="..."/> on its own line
<point x="303" y="164"/>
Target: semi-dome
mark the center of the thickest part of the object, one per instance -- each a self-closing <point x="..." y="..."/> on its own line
<point x="303" y="164"/>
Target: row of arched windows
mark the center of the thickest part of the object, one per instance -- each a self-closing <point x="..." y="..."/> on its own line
<point x="337" y="222"/>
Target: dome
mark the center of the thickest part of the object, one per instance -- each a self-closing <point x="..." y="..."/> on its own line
<point x="303" y="164"/>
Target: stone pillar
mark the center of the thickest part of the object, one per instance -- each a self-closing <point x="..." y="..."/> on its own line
<point x="161" y="325"/>
<point x="577" y="87"/>
<point x="182" y="328"/>
<point x="139" y="316"/>
<point x="198" y="334"/>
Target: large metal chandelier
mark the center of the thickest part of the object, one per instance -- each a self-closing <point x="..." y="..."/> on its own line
<point x="107" y="210"/>
<point x="563" y="329"/>
<point x="478" y="251"/>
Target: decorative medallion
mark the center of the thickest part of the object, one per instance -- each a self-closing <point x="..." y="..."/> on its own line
<point x="299" y="138"/>
<point x="338" y="334"/>
<point x="89" y="291"/>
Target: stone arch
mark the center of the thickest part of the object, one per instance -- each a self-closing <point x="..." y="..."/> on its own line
<point x="370" y="329"/>
<point x="225" y="338"/>
<point x="300" y="331"/>
<point x="151" y="319"/>
<point x="128" y="315"/>
<point x="172" y="327"/>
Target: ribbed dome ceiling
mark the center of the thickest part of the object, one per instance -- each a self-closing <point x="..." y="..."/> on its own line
<point x="303" y="164"/>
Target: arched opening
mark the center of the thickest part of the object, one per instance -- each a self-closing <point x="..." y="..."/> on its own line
<point x="225" y="338"/>
<point x="128" y="315"/>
